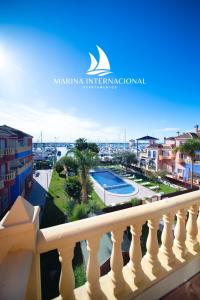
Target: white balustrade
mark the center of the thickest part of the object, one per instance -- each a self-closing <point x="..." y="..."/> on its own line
<point x="192" y="230"/>
<point x="167" y="255"/>
<point x="198" y="224"/>
<point x="116" y="261"/>
<point x="93" y="269"/>
<point x="180" y="235"/>
<point x="155" y="265"/>
<point x="135" y="254"/>
<point x="67" y="285"/>
<point x="151" y="256"/>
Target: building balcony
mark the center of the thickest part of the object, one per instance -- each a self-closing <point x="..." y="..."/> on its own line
<point x="160" y="270"/>
<point x="9" y="154"/>
<point x="9" y="179"/>
<point x="23" y="148"/>
<point x="23" y="168"/>
<point x="170" y="156"/>
<point x="143" y="155"/>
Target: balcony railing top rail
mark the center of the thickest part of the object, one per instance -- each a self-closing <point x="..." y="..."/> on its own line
<point x="83" y="229"/>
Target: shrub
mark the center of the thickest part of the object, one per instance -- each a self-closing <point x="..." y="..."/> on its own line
<point x="59" y="167"/>
<point x="73" y="187"/>
<point x="135" y="201"/>
<point x="80" y="211"/>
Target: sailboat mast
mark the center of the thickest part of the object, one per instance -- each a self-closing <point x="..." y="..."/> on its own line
<point x="41" y="139"/>
<point x="125" y="139"/>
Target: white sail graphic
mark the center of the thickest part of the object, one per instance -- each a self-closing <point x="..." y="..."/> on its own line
<point x="100" y="68"/>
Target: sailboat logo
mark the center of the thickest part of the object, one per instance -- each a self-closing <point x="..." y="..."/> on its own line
<point x="100" y="68"/>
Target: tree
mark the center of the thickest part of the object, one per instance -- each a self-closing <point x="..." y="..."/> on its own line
<point x="125" y="158"/>
<point x="128" y="159"/>
<point x="81" y="144"/>
<point x="68" y="164"/>
<point x="73" y="187"/>
<point x="93" y="147"/>
<point x="85" y="161"/>
<point x="59" y="167"/>
<point x="189" y="148"/>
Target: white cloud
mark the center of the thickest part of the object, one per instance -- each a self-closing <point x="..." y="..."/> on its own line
<point x="53" y="123"/>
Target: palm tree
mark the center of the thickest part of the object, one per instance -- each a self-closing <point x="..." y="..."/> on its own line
<point x="85" y="160"/>
<point x="189" y="148"/>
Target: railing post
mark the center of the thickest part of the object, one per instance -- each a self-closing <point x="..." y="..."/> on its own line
<point x="166" y="254"/>
<point x="192" y="230"/>
<point x="116" y="262"/>
<point x="150" y="260"/>
<point x="198" y="225"/>
<point x="135" y="254"/>
<point x="93" y="269"/>
<point x="180" y="234"/>
<point x="67" y="285"/>
<point x="18" y="233"/>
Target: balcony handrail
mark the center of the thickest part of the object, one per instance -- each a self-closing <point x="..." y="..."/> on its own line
<point x="57" y="236"/>
<point x="9" y="176"/>
<point x="9" y="151"/>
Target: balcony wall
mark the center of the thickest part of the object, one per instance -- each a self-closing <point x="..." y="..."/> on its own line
<point x="9" y="179"/>
<point x="22" y="242"/>
<point x="9" y="154"/>
<point x="23" y="168"/>
<point x="23" y="148"/>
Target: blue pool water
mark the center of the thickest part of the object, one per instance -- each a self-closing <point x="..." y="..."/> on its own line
<point x="112" y="183"/>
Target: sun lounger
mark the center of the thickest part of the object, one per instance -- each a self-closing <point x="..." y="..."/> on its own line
<point x="138" y="180"/>
<point x="145" y="183"/>
<point x="155" y="187"/>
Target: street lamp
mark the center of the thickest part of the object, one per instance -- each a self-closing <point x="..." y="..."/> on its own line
<point x="104" y="194"/>
<point x="47" y="181"/>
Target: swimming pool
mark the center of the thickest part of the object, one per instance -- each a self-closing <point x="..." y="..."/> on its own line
<point x="113" y="183"/>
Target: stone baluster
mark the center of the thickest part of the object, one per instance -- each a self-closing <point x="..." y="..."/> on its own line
<point x="116" y="262"/>
<point x="151" y="256"/>
<point x="198" y="224"/>
<point x="192" y="230"/>
<point x="180" y="234"/>
<point x="67" y="275"/>
<point x="166" y="252"/>
<point x="93" y="269"/>
<point x="135" y="254"/>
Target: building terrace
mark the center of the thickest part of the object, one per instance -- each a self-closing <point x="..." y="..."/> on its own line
<point x="149" y="277"/>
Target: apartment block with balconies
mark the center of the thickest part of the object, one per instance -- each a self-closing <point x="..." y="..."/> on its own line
<point x="161" y="157"/>
<point x="15" y="165"/>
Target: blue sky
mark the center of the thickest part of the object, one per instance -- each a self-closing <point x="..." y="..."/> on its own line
<point x="157" y="40"/>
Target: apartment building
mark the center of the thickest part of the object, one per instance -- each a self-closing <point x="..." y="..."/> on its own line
<point x="15" y="165"/>
<point x="161" y="157"/>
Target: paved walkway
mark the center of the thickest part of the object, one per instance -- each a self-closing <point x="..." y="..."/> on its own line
<point x="39" y="189"/>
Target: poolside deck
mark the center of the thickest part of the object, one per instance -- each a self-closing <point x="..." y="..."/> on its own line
<point x="112" y="199"/>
